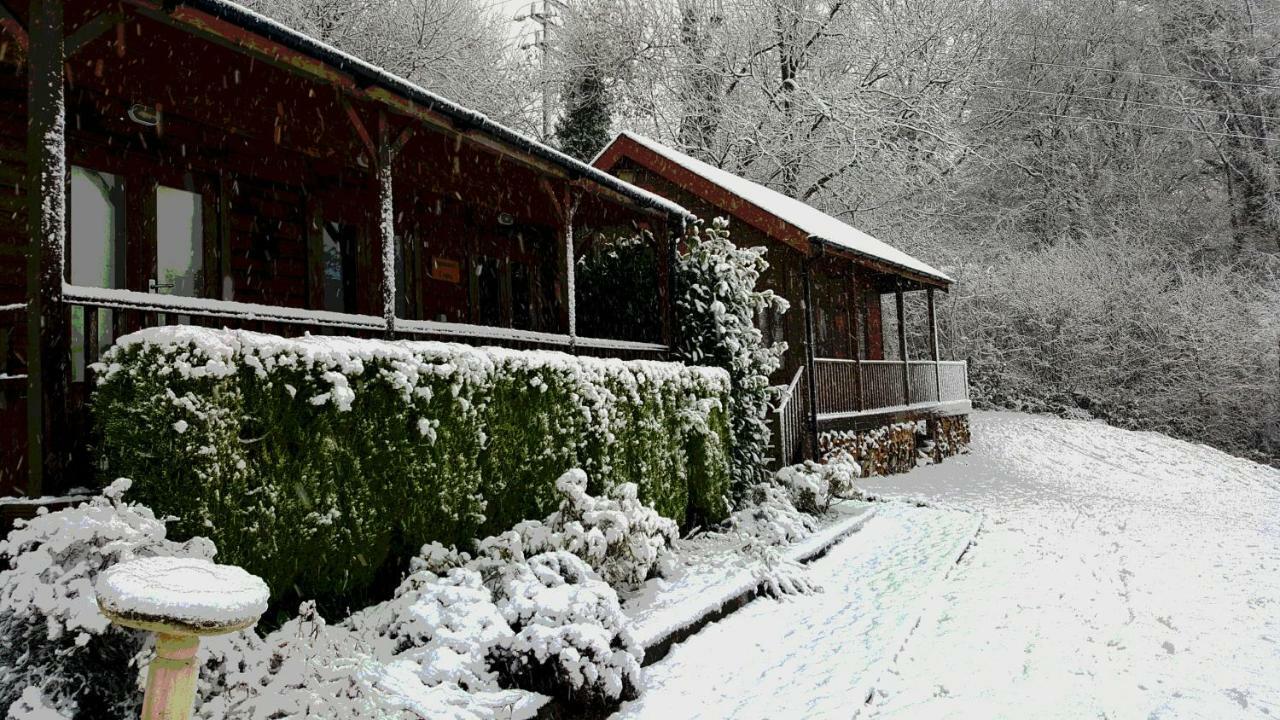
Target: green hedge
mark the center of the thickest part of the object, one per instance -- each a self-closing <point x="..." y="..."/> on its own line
<point x="314" y="462"/>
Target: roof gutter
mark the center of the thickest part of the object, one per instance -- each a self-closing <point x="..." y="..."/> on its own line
<point x="368" y="75"/>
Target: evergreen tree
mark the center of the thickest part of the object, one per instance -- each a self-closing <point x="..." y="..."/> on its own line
<point x="585" y="127"/>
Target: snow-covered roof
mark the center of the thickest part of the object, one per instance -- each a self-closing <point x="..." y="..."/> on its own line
<point x="815" y="223"/>
<point x="368" y="74"/>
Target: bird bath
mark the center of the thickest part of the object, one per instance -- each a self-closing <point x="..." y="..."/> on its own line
<point x="180" y="600"/>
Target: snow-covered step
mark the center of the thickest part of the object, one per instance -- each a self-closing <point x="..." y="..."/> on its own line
<point x="815" y="656"/>
<point x="717" y="577"/>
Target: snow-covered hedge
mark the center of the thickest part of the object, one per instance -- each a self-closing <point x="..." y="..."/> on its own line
<point x="310" y="461"/>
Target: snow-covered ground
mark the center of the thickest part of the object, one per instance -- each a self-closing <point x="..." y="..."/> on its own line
<point x="1117" y="575"/>
<point x="814" y="656"/>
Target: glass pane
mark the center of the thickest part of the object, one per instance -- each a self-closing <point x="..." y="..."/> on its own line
<point x="489" y="301"/>
<point x="338" y="262"/>
<point x="179" y="243"/>
<point x="97" y="223"/>
<point x="402" y="280"/>
<point x="521" y="297"/>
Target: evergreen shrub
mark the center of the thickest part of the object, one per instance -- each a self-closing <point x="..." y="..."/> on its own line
<point x="319" y="463"/>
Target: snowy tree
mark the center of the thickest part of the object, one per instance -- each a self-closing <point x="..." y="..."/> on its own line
<point x="718" y="304"/>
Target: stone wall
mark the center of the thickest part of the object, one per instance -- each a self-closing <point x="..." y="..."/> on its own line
<point x="898" y="447"/>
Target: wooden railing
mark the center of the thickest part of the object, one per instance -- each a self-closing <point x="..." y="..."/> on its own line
<point x="850" y="386"/>
<point x="790" y="415"/>
<point x="97" y="317"/>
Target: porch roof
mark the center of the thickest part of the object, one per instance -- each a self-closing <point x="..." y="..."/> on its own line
<point x="792" y="219"/>
<point x="370" y="80"/>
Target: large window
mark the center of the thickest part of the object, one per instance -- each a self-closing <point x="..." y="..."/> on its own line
<point x="179" y="243"/>
<point x="97" y="229"/>
<point x="489" y="291"/>
<point x="97" y="257"/>
<point x="339" y="265"/>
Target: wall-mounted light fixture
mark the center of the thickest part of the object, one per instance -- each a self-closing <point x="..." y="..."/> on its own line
<point x="144" y="115"/>
<point x="506" y="219"/>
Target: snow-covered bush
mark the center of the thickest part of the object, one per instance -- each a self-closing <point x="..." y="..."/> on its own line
<point x="620" y="538"/>
<point x="571" y="638"/>
<point x="56" y="646"/>
<point x="768" y="515"/>
<point x="310" y="669"/>
<point x="812" y="486"/>
<point x="311" y="461"/>
<point x="545" y="623"/>
<point x="718" y="303"/>
<point x="447" y="625"/>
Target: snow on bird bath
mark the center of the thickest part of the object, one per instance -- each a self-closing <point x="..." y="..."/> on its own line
<point x="190" y="594"/>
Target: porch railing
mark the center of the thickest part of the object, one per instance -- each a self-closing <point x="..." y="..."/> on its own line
<point x="99" y="316"/>
<point x="850" y="386"/>
<point x="790" y="415"/>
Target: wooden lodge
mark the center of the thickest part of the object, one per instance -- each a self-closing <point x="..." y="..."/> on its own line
<point x="836" y="279"/>
<point x="188" y="161"/>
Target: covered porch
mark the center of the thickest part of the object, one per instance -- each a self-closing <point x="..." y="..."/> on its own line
<point x="828" y="394"/>
<point x="194" y="163"/>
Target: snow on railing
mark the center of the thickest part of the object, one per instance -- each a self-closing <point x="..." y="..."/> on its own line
<point x="789" y="418"/>
<point x="853" y="386"/>
<point x="178" y="306"/>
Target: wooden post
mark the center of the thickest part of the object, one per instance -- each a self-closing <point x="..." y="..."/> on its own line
<point x="570" y="271"/>
<point x="857" y="343"/>
<point x="902" y="347"/>
<point x="387" y="224"/>
<point x="672" y="260"/>
<point x="47" y="325"/>
<point x="809" y="349"/>
<point x="933" y="348"/>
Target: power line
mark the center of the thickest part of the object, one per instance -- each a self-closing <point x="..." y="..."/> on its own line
<point x="1164" y="76"/>
<point x="1186" y="108"/>
<point x="1125" y="122"/>
<point x="1108" y="39"/>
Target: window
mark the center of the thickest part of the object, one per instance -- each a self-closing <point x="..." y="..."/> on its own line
<point x="489" y="291"/>
<point x="403" y="245"/>
<point x="179" y="243"/>
<point x="97" y="229"/>
<point x="339" y="262"/>
<point x="521" y="296"/>
<point x="97" y="207"/>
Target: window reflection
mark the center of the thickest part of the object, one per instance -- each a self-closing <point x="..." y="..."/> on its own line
<point x="97" y="253"/>
<point x="179" y="243"/>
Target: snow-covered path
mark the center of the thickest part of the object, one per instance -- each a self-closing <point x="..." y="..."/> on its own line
<point x="814" y="656"/>
<point x="1118" y="575"/>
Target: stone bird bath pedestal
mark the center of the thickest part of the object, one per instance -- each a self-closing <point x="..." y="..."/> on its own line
<point x="180" y="600"/>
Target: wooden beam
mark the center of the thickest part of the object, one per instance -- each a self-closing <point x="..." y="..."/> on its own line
<point x="387" y="223"/>
<point x="10" y="19"/>
<point x="401" y="140"/>
<point x="91" y="30"/>
<point x="859" y="339"/>
<point x="570" y="269"/>
<point x="10" y="24"/>
<point x="362" y="132"/>
<point x="556" y="206"/>
<point x="806" y="277"/>
<point x="902" y="348"/>
<point x="933" y="347"/>
<point x="48" y="328"/>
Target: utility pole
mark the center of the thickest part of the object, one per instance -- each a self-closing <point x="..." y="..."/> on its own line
<point x="545" y="14"/>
